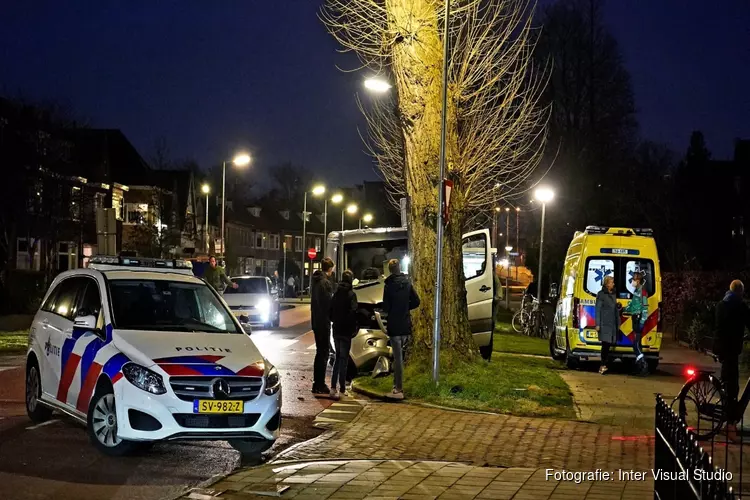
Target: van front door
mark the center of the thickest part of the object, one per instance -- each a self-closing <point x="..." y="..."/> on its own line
<point x="478" y="274"/>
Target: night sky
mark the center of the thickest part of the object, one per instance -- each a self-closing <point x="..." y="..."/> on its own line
<point x="215" y="76"/>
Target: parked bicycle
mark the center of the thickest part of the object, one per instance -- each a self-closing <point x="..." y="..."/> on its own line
<point x="522" y="317"/>
<point x="702" y="403"/>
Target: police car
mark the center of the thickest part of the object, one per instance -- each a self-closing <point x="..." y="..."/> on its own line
<point x="140" y="350"/>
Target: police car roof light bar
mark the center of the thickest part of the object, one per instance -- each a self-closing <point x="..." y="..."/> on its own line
<point x="141" y="262"/>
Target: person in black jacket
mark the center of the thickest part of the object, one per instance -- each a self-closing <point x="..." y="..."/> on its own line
<point x="321" y="291"/>
<point x="399" y="298"/>
<point x="732" y="317"/>
<point x="344" y="318"/>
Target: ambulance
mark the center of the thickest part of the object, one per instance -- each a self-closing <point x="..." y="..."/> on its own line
<point x="594" y="254"/>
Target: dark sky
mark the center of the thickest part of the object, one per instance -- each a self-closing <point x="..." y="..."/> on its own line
<point x="214" y="76"/>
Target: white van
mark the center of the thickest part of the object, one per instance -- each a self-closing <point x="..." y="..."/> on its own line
<point x="366" y="253"/>
<point x="140" y="350"/>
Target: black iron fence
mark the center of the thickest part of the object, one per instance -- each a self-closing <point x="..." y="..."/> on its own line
<point x="686" y="468"/>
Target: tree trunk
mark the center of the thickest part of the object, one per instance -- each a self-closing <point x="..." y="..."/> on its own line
<point x="417" y="68"/>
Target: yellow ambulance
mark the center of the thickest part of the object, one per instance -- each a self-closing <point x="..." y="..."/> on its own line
<point x="594" y="254"/>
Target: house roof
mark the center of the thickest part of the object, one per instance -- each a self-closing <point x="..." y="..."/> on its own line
<point x="105" y="155"/>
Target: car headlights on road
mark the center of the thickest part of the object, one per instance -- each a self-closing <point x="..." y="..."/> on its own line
<point x="144" y="379"/>
<point x="273" y="381"/>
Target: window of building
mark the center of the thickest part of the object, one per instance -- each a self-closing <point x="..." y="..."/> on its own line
<point x="298" y="243"/>
<point x="318" y="243"/>
<point x="258" y="239"/>
<point x="136" y="213"/>
<point x="274" y="242"/>
<point x="75" y="203"/>
<point x="23" y="254"/>
<point x="67" y="256"/>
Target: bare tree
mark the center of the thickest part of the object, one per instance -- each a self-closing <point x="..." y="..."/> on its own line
<point x="496" y="129"/>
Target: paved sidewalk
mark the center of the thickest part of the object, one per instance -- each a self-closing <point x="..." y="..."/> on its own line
<point x="379" y="479"/>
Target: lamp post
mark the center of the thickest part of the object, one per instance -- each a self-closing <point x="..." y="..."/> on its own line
<point x="351" y="209"/>
<point x="206" y="189"/>
<point x="518" y="246"/>
<point x="317" y="190"/>
<point x="507" y="277"/>
<point x="441" y="203"/>
<point x="543" y="195"/>
<point x="241" y="160"/>
<point x="367" y="218"/>
<point x="495" y="227"/>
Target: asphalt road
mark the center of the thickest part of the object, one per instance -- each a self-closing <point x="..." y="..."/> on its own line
<point x="56" y="461"/>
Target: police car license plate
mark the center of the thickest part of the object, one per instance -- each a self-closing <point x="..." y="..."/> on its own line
<point x="215" y="406"/>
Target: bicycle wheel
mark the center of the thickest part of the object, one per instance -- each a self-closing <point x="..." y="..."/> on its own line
<point x="543" y="327"/>
<point x="520" y="320"/>
<point x="702" y="406"/>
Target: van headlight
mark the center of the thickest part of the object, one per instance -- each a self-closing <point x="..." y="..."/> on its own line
<point x="144" y="379"/>
<point x="273" y="381"/>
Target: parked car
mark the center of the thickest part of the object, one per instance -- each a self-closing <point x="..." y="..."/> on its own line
<point x="255" y="299"/>
<point x="140" y="350"/>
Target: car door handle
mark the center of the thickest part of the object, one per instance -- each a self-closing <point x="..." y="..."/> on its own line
<point x="485" y="289"/>
<point x="45" y="324"/>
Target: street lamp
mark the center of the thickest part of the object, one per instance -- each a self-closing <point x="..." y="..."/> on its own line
<point x="377" y="85"/>
<point x="240" y="160"/>
<point x="206" y="189"/>
<point x="367" y="218"/>
<point x="507" y="277"/>
<point x="317" y="190"/>
<point x="507" y="227"/>
<point x="518" y="244"/>
<point x="351" y="209"/>
<point x="543" y="195"/>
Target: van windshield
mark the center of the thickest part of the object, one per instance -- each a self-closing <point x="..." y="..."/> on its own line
<point x="164" y="305"/>
<point x="369" y="260"/>
<point x="622" y="269"/>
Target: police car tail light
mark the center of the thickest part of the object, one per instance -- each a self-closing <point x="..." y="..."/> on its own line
<point x="273" y="381"/>
<point x="144" y="379"/>
<point x="576" y="313"/>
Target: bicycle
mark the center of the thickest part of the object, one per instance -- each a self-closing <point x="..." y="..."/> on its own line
<point x="703" y="400"/>
<point x="538" y="326"/>
<point x="522" y="317"/>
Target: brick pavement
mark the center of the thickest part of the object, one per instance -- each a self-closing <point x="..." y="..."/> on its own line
<point x="377" y="479"/>
<point x="407" y="432"/>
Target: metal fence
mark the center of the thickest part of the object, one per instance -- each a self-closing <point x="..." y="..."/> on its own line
<point x="686" y="468"/>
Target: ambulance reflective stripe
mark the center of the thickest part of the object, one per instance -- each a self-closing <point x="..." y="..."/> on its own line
<point x="205" y="365"/>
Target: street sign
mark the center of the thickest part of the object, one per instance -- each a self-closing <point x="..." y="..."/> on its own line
<point x="447" y="188"/>
<point x="514" y="254"/>
<point x="312" y="253"/>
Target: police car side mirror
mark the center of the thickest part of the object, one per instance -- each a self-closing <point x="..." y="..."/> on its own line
<point x="87" y="323"/>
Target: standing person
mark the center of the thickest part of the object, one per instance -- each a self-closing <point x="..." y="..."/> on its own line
<point x="732" y="317"/>
<point x="321" y="291"/>
<point x="607" y="319"/>
<point x="399" y="298"/>
<point x="276" y="280"/>
<point x="290" y="287"/>
<point x="638" y="309"/>
<point x="344" y="318"/>
<point x="215" y="275"/>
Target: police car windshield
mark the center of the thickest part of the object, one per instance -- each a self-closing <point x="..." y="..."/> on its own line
<point x="164" y="305"/>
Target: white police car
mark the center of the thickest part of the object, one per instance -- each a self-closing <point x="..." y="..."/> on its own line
<point x="140" y="351"/>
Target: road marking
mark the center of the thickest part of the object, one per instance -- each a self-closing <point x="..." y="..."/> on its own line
<point x="4" y="368"/>
<point x="41" y="425"/>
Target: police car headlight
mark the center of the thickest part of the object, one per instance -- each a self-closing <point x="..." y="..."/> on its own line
<point x="273" y="381"/>
<point x="144" y="379"/>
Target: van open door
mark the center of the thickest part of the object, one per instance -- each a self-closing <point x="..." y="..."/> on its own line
<point x="478" y="273"/>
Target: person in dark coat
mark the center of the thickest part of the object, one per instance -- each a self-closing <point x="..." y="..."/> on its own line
<point x="607" y="320"/>
<point x="399" y="299"/>
<point x="321" y="291"/>
<point x="732" y="317"/>
<point x="344" y="319"/>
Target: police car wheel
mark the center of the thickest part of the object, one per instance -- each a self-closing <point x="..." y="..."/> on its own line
<point x="251" y="451"/>
<point x="36" y="411"/>
<point x="102" y="425"/>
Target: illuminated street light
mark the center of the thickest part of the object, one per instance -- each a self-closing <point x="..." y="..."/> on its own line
<point x="206" y="189"/>
<point x="337" y="198"/>
<point x="367" y="218"/>
<point x="351" y="209"/>
<point x="377" y="85"/>
<point x="544" y="195"/>
<point x="239" y="160"/>
<point x="319" y="190"/>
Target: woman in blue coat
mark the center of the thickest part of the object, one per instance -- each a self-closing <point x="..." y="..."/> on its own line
<point x="607" y="319"/>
